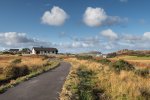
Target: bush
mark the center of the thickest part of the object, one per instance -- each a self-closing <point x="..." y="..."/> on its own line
<point x="1" y="70"/>
<point x="45" y="57"/>
<point x="23" y="70"/>
<point x="121" y="65"/>
<point x="145" y="92"/>
<point x="142" y="72"/>
<point x="104" y="61"/>
<point x="10" y="71"/>
<point x="16" y="61"/>
<point x="111" y="55"/>
<point x="19" y="54"/>
<point x="84" y="57"/>
<point x="13" y="71"/>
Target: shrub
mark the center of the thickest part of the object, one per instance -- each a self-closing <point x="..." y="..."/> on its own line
<point x="19" y="54"/>
<point x="145" y="92"/>
<point x="46" y="64"/>
<point x="84" y="57"/>
<point x="111" y="55"/>
<point x="121" y="65"/>
<point x="10" y="71"/>
<point x="142" y="72"/>
<point x="1" y="70"/>
<point x="23" y="70"/>
<point x="6" y="52"/>
<point x="45" y="57"/>
<point x="104" y="61"/>
<point x="13" y="71"/>
<point x="16" y="61"/>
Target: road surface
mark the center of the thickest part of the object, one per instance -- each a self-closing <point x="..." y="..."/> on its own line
<point x="46" y="86"/>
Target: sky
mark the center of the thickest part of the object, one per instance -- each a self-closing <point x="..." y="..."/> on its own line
<point x="75" y="26"/>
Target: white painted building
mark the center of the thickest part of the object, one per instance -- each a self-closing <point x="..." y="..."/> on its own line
<point x="44" y="51"/>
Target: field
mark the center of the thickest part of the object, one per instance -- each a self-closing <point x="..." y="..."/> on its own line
<point x="20" y="64"/>
<point x="135" y="60"/>
<point x="5" y="60"/>
<point x="92" y="80"/>
<point x="30" y="61"/>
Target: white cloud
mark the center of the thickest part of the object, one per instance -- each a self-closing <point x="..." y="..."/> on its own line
<point x="117" y="42"/>
<point x="94" y="16"/>
<point x="97" y="17"/>
<point x="109" y="34"/>
<point x="146" y="35"/>
<point x="55" y="17"/>
<point x="18" y="40"/>
<point x="76" y="44"/>
<point x="108" y="47"/>
<point x="10" y="38"/>
<point x="114" y="20"/>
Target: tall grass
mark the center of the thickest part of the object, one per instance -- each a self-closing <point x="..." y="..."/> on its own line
<point x="126" y="85"/>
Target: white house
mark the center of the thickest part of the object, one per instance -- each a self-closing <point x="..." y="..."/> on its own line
<point x="44" y="51"/>
<point x="104" y="55"/>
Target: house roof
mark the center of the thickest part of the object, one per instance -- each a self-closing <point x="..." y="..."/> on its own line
<point x="44" y="49"/>
<point x="16" y="50"/>
<point x="26" y="50"/>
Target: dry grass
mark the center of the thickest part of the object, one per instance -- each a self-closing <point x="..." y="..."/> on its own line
<point x="125" y="85"/>
<point x="32" y="60"/>
<point x="137" y="61"/>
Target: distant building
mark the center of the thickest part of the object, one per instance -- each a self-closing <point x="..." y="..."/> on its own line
<point x="93" y="53"/>
<point x="104" y="55"/>
<point x="26" y="51"/>
<point x="13" y="50"/>
<point x="44" y="51"/>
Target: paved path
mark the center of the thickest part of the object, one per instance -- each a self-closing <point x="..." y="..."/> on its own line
<point x="46" y="86"/>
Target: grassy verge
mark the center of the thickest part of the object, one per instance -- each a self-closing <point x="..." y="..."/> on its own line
<point x="90" y="80"/>
<point x="87" y="89"/>
<point x="81" y="83"/>
<point x="49" y="66"/>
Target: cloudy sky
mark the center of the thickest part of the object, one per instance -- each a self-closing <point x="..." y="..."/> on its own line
<point x="75" y="25"/>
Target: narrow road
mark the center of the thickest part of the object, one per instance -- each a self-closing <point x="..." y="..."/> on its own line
<point x="46" y="86"/>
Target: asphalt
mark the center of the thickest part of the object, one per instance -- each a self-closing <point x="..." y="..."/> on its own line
<point x="46" y="86"/>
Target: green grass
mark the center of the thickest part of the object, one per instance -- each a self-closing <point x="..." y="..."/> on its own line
<point x="86" y="85"/>
<point x="121" y="65"/>
<point x="51" y="66"/>
<point x="135" y="57"/>
<point x="104" y="61"/>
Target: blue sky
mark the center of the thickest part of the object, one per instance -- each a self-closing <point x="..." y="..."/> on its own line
<point x="75" y="25"/>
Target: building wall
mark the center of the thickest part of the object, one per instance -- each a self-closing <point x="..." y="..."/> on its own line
<point x="43" y="52"/>
<point x="33" y="51"/>
<point x="47" y="52"/>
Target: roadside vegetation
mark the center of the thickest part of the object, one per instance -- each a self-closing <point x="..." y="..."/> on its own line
<point x="105" y="80"/>
<point x="136" y="60"/>
<point x="136" y="57"/>
<point x="22" y="68"/>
